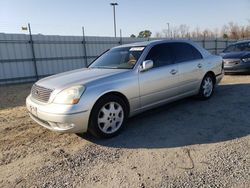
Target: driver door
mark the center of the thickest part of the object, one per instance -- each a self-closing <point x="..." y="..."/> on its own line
<point x="159" y="83"/>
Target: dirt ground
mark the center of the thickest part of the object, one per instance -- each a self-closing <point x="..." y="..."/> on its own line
<point x="189" y="143"/>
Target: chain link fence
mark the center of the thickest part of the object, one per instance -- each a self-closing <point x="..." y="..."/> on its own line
<point x="27" y="58"/>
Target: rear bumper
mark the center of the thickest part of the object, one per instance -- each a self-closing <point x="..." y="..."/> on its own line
<point x="66" y="122"/>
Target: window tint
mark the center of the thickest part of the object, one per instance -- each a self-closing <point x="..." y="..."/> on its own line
<point x="230" y="48"/>
<point x="185" y="52"/>
<point x="244" y="46"/>
<point x="161" y="55"/>
<point x="238" y="47"/>
<point x="196" y="53"/>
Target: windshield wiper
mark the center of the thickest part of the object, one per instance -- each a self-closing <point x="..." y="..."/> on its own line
<point x="104" y="67"/>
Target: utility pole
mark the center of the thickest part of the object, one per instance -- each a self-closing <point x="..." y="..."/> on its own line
<point x="114" y="4"/>
<point x="33" y="51"/>
<point x="84" y="47"/>
<point x="168" y="30"/>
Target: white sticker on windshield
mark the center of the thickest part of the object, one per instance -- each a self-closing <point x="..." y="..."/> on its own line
<point x="136" y="49"/>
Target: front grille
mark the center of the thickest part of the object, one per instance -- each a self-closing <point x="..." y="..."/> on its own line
<point x="40" y="93"/>
<point x="231" y="61"/>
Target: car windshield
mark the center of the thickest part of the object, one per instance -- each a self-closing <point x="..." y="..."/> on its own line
<point x="118" y="58"/>
<point x="238" y="47"/>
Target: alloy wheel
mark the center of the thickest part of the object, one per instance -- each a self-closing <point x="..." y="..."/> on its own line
<point x="110" y="117"/>
<point x="207" y="86"/>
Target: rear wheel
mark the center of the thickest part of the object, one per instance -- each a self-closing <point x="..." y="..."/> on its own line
<point x="108" y="117"/>
<point x="207" y="87"/>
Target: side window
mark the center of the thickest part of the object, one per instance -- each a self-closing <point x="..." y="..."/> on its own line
<point x="242" y="47"/>
<point x="229" y="48"/>
<point x="185" y="52"/>
<point x="196" y="53"/>
<point x="161" y="55"/>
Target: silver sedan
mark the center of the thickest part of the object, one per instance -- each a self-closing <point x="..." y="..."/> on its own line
<point x="123" y="81"/>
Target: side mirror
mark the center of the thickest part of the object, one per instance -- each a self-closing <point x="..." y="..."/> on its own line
<point x="146" y="65"/>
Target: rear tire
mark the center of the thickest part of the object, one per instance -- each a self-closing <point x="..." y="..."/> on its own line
<point x="108" y="117"/>
<point x="207" y="87"/>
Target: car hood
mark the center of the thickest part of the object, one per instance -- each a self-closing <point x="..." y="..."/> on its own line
<point x="235" y="55"/>
<point x="75" y="77"/>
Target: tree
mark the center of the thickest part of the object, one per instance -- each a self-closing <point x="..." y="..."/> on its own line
<point x="145" y="34"/>
<point x="225" y="31"/>
<point x="184" y="30"/>
<point x="225" y="36"/>
<point x="165" y="32"/>
<point x="158" y="35"/>
<point x="234" y="30"/>
<point x="132" y="36"/>
<point x="216" y="32"/>
<point x="206" y="33"/>
<point x="230" y="31"/>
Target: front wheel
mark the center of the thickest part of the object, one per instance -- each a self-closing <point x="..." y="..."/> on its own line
<point x="108" y="117"/>
<point x="207" y="87"/>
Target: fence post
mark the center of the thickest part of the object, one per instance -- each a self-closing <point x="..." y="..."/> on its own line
<point x="120" y="37"/>
<point x="216" y="46"/>
<point x="84" y="47"/>
<point x="203" y="43"/>
<point x="33" y="52"/>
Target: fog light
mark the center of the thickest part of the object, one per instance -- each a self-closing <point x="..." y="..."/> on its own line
<point x="61" y="125"/>
<point x="65" y="125"/>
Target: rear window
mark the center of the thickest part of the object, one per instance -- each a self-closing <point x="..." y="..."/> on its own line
<point x="185" y="52"/>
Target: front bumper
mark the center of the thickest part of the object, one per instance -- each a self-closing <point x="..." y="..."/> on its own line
<point x="219" y="77"/>
<point x="58" y="117"/>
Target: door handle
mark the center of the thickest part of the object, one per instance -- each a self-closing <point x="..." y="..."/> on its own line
<point x="173" y="71"/>
<point x="199" y="65"/>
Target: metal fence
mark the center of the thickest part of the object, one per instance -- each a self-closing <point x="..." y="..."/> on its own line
<point x="27" y="58"/>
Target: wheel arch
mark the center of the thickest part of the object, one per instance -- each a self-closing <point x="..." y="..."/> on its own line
<point x="91" y="126"/>
<point x="212" y="74"/>
<point x="116" y="93"/>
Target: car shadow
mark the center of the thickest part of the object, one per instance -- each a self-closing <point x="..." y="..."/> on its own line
<point x="13" y="95"/>
<point x="224" y="117"/>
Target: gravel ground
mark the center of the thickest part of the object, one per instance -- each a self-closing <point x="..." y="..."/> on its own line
<point x="189" y="143"/>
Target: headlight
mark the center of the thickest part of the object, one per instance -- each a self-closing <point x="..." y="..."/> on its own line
<point x="70" y="95"/>
<point x="246" y="59"/>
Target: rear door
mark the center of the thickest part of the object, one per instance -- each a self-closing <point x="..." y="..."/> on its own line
<point x="161" y="82"/>
<point x="190" y="64"/>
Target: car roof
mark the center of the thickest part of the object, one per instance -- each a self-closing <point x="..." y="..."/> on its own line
<point x="153" y="42"/>
<point x="242" y="41"/>
<point x="144" y="43"/>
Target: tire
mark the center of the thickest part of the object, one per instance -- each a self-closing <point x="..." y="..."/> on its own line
<point x="207" y="87"/>
<point x="108" y="117"/>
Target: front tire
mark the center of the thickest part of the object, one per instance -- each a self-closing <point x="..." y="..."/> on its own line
<point x="108" y="117"/>
<point x="207" y="87"/>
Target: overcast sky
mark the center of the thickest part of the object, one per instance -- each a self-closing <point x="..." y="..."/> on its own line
<point x="66" y="17"/>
